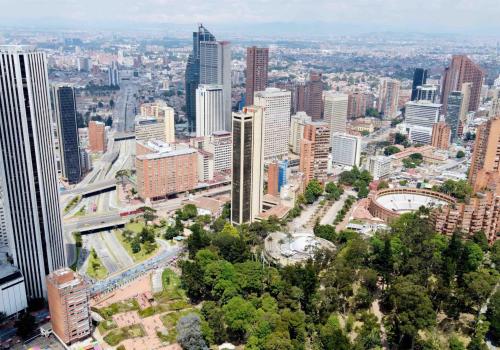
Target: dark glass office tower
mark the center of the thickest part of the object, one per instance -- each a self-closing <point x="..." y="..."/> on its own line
<point x="419" y="79"/>
<point x="192" y="76"/>
<point x="64" y="106"/>
<point x="453" y="113"/>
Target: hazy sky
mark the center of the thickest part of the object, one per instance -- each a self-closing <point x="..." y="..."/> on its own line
<point x="461" y="16"/>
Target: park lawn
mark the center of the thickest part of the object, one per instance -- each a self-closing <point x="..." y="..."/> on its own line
<point x="116" y="308"/>
<point x="170" y="321"/>
<point x="98" y="271"/>
<point x="116" y="336"/>
<point x="135" y="227"/>
<point x="81" y="212"/>
<point x="171" y="288"/>
<point x="139" y="256"/>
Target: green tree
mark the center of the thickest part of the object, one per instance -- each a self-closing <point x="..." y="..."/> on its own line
<point x="189" y="211"/>
<point x="197" y="240"/>
<point x="189" y="334"/>
<point x="493" y="316"/>
<point x="460" y="189"/>
<point x="460" y="154"/>
<point x="214" y="315"/>
<point x="313" y="191"/>
<point x="478" y="285"/>
<point x="390" y="150"/>
<point x="332" y="336"/>
<point x="382" y="185"/>
<point x="239" y="315"/>
<point x="325" y="231"/>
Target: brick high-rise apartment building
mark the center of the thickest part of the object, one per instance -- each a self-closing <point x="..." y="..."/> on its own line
<point x="97" y="136"/>
<point x="486" y="157"/>
<point x="257" y="65"/>
<point x="314" y="149"/>
<point x="462" y="70"/>
<point x="69" y="304"/>
<point x="441" y="135"/>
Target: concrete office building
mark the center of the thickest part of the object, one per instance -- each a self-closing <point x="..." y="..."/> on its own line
<point x="215" y="69"/>
<point x="427" y="92"/>
<point x="453" y="113"/>
<point x="149" y="128"/>
<point x="297" y="125"/>
<point x="69" y="305"/>
<point x="165" y="116"/>
<point x="464" y="108"/>
<point x="441" y="133"/>
<point x="192" y="75"/>
<point x="205" y="166"/>
<point x="256" y="77"/>
<point x="64" y="107"/>
<point x="164" y="169"/>
<point x="282" y="174"/>
<point x="313" y="98"/>
<point x="484" y="163"/>
<point x="346" y="149"/>
<point x="12" y="290"/>
<point x="462" y="70"/>
<point x="335" y="111"/>
<point x="276" y="104"/>
<point x="248" y="165"/>
<point x="221" y="144"/>
<point x="314" y="150"/>
<point x="113" y="75"/>
<point x="379" y="167"/>
<point x="5" y="224"/>
<point x="420" y="117"/>
<point x="97" y="137"/>
<point x="388" y="97"/>
<point x="29" y="177"/>
<point x="210" y="115"/>
<point x="419" y="79"/>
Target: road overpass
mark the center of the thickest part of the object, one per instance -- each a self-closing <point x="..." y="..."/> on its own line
<point x="96" y="223"/>
<point x="92" y="189"/>
<point x="124" y="136"/>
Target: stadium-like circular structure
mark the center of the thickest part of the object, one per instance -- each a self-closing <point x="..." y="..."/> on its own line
<point x="290" y="248"/>
<point x="390" y="203"/>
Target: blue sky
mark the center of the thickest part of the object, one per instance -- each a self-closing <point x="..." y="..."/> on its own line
<point x="451" y="16"/>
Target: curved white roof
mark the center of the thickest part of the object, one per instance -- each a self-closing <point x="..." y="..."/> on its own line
<point x="406" y="202"/>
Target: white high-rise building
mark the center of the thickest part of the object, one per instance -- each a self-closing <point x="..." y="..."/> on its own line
<point x="420" y="116"/>
<point x="209" y="109"/>
<point x="379" y="167"/>
<point x="215" y="68"/>
<point x="247" y="190"/>
<point x="297" y="125"/>
<point x="29" y="177"/>
<point x="335" y="111"/>
<point x="276" y="104"/>
<point x="428" y="92"/>
<point x="221" y="143"/>
<point x="113" y="75"/>
<point x="346" y="149"/>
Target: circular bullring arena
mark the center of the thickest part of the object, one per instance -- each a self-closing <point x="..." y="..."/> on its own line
<point x="390" y="203"/>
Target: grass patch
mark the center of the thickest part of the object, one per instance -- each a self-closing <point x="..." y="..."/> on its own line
<point x="116" y="336"/>
<point x="95" y="267"/>
<point x="139" y="256"/>
<point x="176" y="305"/>
<point x="77" y="236"/>
<point x="106" y="325"/>
<point x="74" y="201"/>
<point x="116" y="308"/>
<point x="135" y="227"/>
<point x="81" y="211"/>
<point x="170" y="321"/>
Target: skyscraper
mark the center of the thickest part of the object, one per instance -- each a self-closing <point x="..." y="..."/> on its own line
<point x="419" y="118"/>
<point x="209" y="109"/>
<point x="64" y="107"/>
<point x="248" y="165"/>
<point x="297" y="125"/>
<point x="314" y="149"/>
<point x="215" y="68"/>
<point x="486" y="154"/>
<point x="419" y="79"/>
<point x="427" y="92"/>
<point x="453" y="113"/>
<point x="314" y="96"/>
<point x="276" y="104"/>
<point x="29" y="170"/>
<point x="388" y="97"/>
<point x="335" y="112"/>
<point x="113" y="75"/>
<point x="192" y="76"/>
<point x="441" y="135"/>
<point x="257" y="64"/>
<point x="462" y="70"/>
<point x="346" y="149"/>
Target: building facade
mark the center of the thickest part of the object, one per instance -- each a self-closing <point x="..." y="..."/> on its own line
<point x="346" y="149"/>
<point x="314" y="150"/>
<point x="272" y="179"/>
<point x="335" y="111"/>
<point x="462" y="70"/>
<point x="419" y="79"/>
<point x="297" y="125"/>
<point x="164" y="170"/>
<point x="379" y="167"/>
<point x="453" y="113"/>
<point x="248" y="165"/>
<point x="29" y="178"/>
<point x="420" y="117"/>
<point x="97" y="137"/>
<point x="256" y="77"/>
<point x="388" y="97"/>
<point x="486" y="155"/>
<point x="359" y="102"/>
<point x="64" y="107"/>
<point x="276" y="104"/>
<point x="441" y="134"/>
<point x="69" y="305"/>
<point x="313" y="98"/>
<point x="210" y="115"/>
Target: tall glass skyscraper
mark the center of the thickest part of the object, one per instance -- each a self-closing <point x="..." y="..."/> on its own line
<point x="29" y="178"/>
<point x="419" y="79"/>
<point x="453" y="113"/>
<point x="64" y="107"/>
<point x="192" y="76"/>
